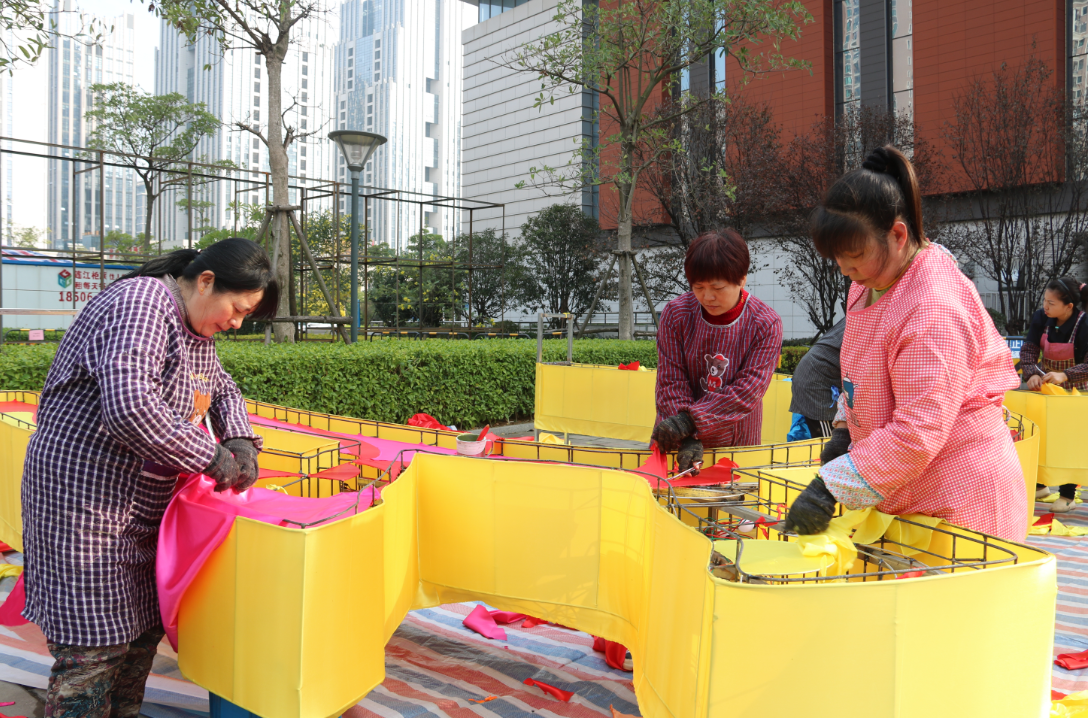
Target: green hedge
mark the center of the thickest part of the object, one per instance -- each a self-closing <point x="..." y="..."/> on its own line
<point x="466" y="383"/>
<point x="790" y="357"/>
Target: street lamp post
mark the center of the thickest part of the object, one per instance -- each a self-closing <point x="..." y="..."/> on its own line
<point x="356" y="148"/>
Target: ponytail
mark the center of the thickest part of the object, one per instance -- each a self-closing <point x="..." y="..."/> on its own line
<point x="239" y="265"/>
<point x="1071" y="291"/>
<point x="172" y="263"/>
<point x="866" y="202"/>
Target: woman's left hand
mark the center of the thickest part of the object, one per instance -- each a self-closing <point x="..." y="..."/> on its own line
<point x="1055" y="377"/>
<point x="245" y="454"/>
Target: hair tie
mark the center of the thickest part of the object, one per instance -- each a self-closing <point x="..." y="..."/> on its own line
<point x="877" y="161"/>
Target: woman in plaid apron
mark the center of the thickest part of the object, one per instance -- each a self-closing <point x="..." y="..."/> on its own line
<point x="119" y="419"/>
<point x="924" y="370"/>
<point x="1057" y="333"/>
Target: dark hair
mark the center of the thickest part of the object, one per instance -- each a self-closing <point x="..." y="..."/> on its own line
<point x="866" y="202"/>
<point x="1070" y="290"/>
<point x="239" y="265"/>
<point x="717" y="254"/>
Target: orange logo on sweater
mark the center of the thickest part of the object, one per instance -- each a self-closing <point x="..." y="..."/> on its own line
<point x="202" y="401"/>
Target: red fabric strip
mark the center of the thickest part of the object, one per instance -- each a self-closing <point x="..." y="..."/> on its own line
<point x="557" y="693"/>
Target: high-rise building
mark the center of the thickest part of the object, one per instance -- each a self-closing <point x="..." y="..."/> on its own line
<point x="399" y="74"/>
<point x="81" y="205"/>
<point x="234" y="87"/>
<point x="505" y="136"/>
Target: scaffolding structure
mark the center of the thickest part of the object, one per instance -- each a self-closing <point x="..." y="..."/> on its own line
<point x="378" y="256"/>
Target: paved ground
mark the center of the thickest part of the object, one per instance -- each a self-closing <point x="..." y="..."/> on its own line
<point x="29" y="702"/>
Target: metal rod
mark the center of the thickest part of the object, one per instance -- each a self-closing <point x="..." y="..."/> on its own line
<point x="101" y="239"/>
<point x="570" y="338"/>
<point x="645" y="291"/>
<point x="313" y="266"/>
<point x="539" y="337"/>
<point x="354" y="255"/>
<point x="275" y="259"/>
<point x="597" y="295"/>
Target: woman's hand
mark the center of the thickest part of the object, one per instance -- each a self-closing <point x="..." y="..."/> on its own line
<point x="689" y="456"/>
<point x="245" y="454"/>
<point x="811" y="512"/>
<point x="836" y="446"/>
<point x="1055" y="377"/>
<point x="224" y="469"/>
<point x="1035" y="382"/>
<point x="670" y="432"/>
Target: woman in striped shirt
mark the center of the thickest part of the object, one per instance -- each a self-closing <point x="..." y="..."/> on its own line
<point x="717" y="347"/>
<point x="119" y="419"/>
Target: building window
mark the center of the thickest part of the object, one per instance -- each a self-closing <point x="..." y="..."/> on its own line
<point x="305" y="83"/>
<point x="847" y="54"/>
<point x="350" y="73"/>
<point x="256" y="87"/>
<point x="349" y="84"/>
<point x="257" y="73"/>
<point x="257" y="101"/>
<point x="305" y="70"/>
<point x="351" y="51"/>
<point x="305" y="57"/>
<point x="902" y="57"/>
<point x="1077" y="37"/>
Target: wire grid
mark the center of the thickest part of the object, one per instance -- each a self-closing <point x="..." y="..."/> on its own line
<point x="755" y="502"/>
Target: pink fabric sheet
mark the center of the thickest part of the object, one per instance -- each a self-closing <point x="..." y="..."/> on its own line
<point x="198" y="520"/>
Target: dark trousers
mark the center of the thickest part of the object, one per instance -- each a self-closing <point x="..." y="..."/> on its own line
<point x="100" y="681"/>
<point x="1066" y="491"/>
<point x="818" y="429"/>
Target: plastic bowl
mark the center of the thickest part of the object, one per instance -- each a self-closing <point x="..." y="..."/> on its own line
<point x="469" y="445"/>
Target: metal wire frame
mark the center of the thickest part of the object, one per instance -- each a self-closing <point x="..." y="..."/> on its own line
<point x="756" y="494"/>
<point x="759" y="498"/>
<point x="244" y="180"/>
<point x="782" y="455"/>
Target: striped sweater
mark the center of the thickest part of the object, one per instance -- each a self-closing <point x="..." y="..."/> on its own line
<point x="718" y="374"/>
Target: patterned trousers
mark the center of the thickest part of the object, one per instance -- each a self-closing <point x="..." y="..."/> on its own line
<point x="101" y="681"/>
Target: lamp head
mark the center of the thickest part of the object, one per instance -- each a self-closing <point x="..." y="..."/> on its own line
<point x="356" y="146"/>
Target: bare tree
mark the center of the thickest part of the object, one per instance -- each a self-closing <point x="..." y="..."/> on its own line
<point x="1022" y="152"/>
<point x="726" y="173"/>
<point x="263" y="26"/>
<point x="632" y="52"/>
<point x="810" y="165"/>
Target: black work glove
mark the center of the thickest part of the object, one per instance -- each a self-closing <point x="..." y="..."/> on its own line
<point x="670" y="432"/>
<point x="836" y="446"/>
<point x="245" y="455"/>
<point x="689" y="454"/>
<point x="812" y="511"/>
<point x="224" y="469"/>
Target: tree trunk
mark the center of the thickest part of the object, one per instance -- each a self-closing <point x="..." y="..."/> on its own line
<point x="277" y="161"/>
<point x="149" y="204"/>
<point x="623" y="244"/>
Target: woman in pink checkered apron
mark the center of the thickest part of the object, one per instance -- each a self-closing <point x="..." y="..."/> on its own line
<point x="1059" y="334"/>
<point x="920" y="427"/>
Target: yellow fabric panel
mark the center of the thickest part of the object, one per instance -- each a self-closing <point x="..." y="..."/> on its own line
<point x="589" y="548"/>
<point x="917" y="661"/>
<point x="606" y="401"/>
<point x="296" y="595"/>
<point x="1062" y="459"/>
<point x="13" y="440"/>
<point x="777" y="417"/>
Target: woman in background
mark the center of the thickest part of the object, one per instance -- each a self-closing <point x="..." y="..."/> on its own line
<point x="1058" y="333"/>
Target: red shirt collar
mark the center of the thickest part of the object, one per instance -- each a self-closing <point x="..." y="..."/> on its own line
<point x="730" y="316"/>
